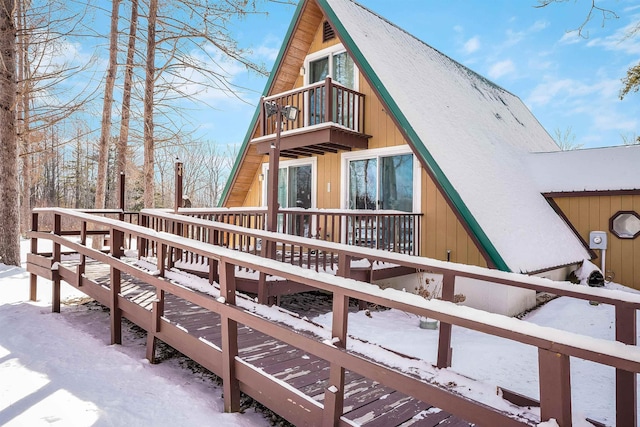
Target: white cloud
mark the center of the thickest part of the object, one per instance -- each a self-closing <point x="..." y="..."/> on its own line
<point x="538" y="26"/>
<point x="472" y="45"/>
<point x="623" y="40"/>
<point x="570" y="37"/>
<point x="266" y="52"/>
<point x="458" y="28"/>
<point x="501" y="68"/>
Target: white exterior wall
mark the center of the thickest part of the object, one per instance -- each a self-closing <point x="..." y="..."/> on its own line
<point x="495" y="298"/>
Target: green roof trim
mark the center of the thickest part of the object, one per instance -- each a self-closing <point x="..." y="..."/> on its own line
<point x="256" y="115"/>
<point x="437" y="173"/>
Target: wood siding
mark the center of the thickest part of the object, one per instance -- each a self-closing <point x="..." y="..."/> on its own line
<point x="592" y="213"/>
<point x="441" y="229"/>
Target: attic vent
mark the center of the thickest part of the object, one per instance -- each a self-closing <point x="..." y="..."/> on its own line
<point x="327" y="31"/>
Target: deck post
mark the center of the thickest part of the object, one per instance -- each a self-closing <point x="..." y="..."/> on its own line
<point x="555" y="386"/>
<point x="55" y="303"/>
<point x="143" y="243"/>
<point x="121" y="199"/>
<point x="334" y="393"/>
<point x="178" y="190"/>
<point x="444" y="334"/>
<point x="115" y="315"/>
<point x="157" y="311"/>
<point x="33" y="278"/>
<point x="83" y="259"/>
<point x="626" y="390"/>
<point x="229" y="329"/>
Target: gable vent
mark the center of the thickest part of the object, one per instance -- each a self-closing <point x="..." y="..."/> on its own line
<point x="327" y="32"/>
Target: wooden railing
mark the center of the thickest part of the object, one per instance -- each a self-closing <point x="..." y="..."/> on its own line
<point x="555" y="347"/>
<point x="344" y="107"/>
<point x="387" y="230"/>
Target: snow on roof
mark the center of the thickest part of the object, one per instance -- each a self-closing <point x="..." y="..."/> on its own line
<point x="477" y="133"/>
<point x="597" y="169"/>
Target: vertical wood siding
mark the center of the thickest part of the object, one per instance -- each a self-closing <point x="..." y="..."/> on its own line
<point x="592" y="213"/>
<point x="441" y="229"/>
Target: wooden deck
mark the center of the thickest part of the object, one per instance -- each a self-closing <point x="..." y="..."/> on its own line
<point x="304" y="378"/>
<point x="366" y="403"/>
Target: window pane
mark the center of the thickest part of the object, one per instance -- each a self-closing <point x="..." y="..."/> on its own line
<point x="300" y="186"/>
<point x="343" y="70"/>
<point x="363" y="184"/>
<point x="396" y="190"/>
<point x="319" y="70"/>
<point x="282" y="187"/>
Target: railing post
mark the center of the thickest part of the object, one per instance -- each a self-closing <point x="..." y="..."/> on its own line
<point x="121" y="194"/>
<point x="83" y="259"/>
<point x="626" y="390"/>
<point x="334" y="393"/>
<point x="33" y="278"/>
<point x="143" y="243"/>
<point x="555" y="386"/>
<point x="230" y="383"/>
<point x="328" y="100"/>
<point x="157" y="311"/>
<point x="444" y="334"/>
<point x="55" y="303"/>
<point x="179" y="169"/>
<point x="115" y="315"/>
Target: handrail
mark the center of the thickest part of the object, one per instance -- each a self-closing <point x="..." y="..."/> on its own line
<point x="539" y="284"/>
<point x="321" y="102"/>
<point x="554" y="346"/>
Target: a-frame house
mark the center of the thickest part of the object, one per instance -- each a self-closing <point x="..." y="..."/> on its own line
<point x="386" y="123"/>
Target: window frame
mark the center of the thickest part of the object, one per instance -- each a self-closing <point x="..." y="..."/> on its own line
<point x="313" y="161"/>
<point x="616" y="215"/>
<point x="378" y="153"/>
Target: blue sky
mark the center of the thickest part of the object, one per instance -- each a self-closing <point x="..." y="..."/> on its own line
<point x="567" y="81"/>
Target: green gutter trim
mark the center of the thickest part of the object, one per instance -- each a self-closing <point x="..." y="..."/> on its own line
<point x="256" y="115"/>
<point x="415" y="140"/>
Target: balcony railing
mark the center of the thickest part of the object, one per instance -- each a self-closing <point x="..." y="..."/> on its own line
<point x="393" y="231"/>
<point x="344" y="107"/>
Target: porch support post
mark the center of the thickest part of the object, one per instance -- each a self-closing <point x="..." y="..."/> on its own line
<point x="272" y="185"/>
<point x="555" y="386"/>
<point x="33" y="278"/>
<point x="334" y="393"/>
<point x="230" y="383"/>
<point x="626" y="390"/>
<point x="444" y="334"/>
<point x="55" y="297"/>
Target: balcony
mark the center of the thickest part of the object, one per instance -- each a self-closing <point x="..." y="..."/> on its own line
<point x="325" y="124"/>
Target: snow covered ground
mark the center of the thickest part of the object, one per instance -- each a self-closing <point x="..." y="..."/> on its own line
<point x="60" y="370"/>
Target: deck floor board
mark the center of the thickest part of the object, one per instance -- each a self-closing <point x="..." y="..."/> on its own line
<point x="366" y="401"/>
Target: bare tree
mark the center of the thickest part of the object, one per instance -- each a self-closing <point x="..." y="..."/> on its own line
<point x="105" y="128"/>
<point x="121" y="162"/>
<point x="9" y="187"/>
<point x="566" y="139"/>
<point x="150" y="73"/>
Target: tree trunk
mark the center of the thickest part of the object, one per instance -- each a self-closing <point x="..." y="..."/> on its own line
<point x="103" y="150"/>
<point x="148" y="167"/>
<point x="9" y="184"/>
<point x="121" y="162"/>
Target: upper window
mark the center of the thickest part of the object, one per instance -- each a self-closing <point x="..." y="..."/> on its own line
<point x="332" y="62"/>
<point x="625" y="224"/>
